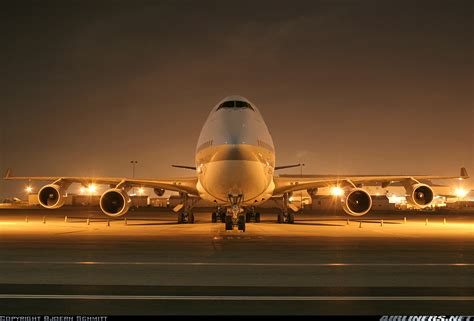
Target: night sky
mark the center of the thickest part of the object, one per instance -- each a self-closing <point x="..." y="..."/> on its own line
<point x="364" y="87"/>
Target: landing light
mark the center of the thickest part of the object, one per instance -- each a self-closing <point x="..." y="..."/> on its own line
<point x="82" y="189"/>
<point x="141" y="190"/>
<point x="29" y="189"/>
<point x="460" y="192"/>
<point x="92" y="188"/>
<point x="337" y="191"/>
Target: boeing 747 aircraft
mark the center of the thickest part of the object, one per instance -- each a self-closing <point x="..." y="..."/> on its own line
<point x="235" y="170"/>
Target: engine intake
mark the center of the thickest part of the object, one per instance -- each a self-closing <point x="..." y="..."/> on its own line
<point x="356" y="202"/>
<point x="159" y="191"/>
<point x="115" y="202"/>
<point x="52" y="196"/>
<point x="419" y="195"/>
<point x="312" y="192"/>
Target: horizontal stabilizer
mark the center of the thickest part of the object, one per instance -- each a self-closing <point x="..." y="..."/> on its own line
<point x="287" y="166"/>
<point x="185" y="167"/>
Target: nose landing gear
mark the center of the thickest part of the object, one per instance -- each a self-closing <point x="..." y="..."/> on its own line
<point x="235" y="214"/>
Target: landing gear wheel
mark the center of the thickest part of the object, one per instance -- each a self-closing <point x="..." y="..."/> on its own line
<point x="257" y="217"/>
<point x="248" y="217"/>
<point x="241" y="223"/>
<point x="281" y="218"/>
<point x="214" y="217"/>
<point x="180" y="218"/>
<point x="291" y="218"/>
<point x="223" y="218"/>
<point x="191" y="217"/>
<point x="229" y="226"/>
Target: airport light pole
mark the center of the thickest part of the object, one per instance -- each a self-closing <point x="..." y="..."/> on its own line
<point x="301" y="195"/>
<point x="133" y="162"/>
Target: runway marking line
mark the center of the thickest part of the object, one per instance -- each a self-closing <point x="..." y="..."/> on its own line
<point x="233" y="298"/>
<point x="335" y="264"/>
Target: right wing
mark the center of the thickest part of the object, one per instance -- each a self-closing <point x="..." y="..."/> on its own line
<point x="291" y="183"/>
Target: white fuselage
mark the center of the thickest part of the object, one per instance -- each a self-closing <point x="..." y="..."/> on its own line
<point x="235" y="154"/>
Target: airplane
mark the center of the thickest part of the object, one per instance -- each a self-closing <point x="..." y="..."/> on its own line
<point x="235" y="171"/>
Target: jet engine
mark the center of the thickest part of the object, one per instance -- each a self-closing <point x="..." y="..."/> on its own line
<point x="419" y="195"/>
<point x="312" y="192"/>
<point x="356" y="201"/>
<point x="52" y="196"/>
<point x="115" y="202"/>
<point x="159" y="191"/>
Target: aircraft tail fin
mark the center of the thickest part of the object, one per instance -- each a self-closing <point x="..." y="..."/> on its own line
<point x="464" y="173"/>
<point x="8" y="174"/>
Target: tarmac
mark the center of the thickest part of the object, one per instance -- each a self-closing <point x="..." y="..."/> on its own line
<point x="77" y="261"/>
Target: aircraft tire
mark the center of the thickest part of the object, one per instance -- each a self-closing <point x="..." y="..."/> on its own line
<point x="281" y="219"/>
<point x="228" y="223"/>
<point x="291" y="218"/>
<point x="248" y="217"/>
<point x="190" y="217"/>
<point x="180" y="218"/>
<point x="241" y="223"/>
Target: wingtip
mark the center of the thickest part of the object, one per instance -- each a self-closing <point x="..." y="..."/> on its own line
<point x="8" y="173"/>
<point x="464" y="173"/>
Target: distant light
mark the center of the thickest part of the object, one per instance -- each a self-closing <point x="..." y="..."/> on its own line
<point x="337" y="191"/>
<point x="92" y="188"/>
<point x="141" y="190"/>
<point x="460" y="192"/>
<point x="29" y="189"/>
<point x="82" y="190"/>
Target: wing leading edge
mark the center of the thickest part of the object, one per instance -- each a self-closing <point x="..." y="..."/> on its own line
<point x="289" y="184"/>
<point x="185" y="185"/>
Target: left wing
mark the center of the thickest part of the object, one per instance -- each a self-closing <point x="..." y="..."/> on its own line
<point x="287" y="184"/>
<point x="185" y="185"/>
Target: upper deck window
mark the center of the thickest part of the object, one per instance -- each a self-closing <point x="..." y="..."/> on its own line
<point x="235" y="104"/>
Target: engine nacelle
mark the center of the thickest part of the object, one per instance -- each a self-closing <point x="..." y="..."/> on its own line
<point x="419" y="195"/>
<point x="312" y="192"/>
<point x="356" y="201"/>
<point x="115" y="202"/>
<point x="159" y="191"/>
<point x="52" y="196"/>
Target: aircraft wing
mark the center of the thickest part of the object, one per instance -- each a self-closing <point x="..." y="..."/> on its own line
<point x="186" y="185"/>
<point x="287" y="183"/>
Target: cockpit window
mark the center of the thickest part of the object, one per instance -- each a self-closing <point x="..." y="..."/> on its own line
<point x="235" y="104"/>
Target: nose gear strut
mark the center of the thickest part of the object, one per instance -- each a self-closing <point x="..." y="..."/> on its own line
<point x="235" y="214"/>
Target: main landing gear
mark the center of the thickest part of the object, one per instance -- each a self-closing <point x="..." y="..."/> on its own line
<point x="251" y="215"/>
<point x="219" y="215"/>
<point x="286" y="216"/>
<point x="186" y="215"/>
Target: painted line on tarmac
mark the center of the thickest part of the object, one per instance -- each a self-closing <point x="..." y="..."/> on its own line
<point x="233" y="298"/>
<point x="231" y="263"/>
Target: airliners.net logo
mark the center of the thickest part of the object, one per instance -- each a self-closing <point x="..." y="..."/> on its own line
<point x="427" y="318"/>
